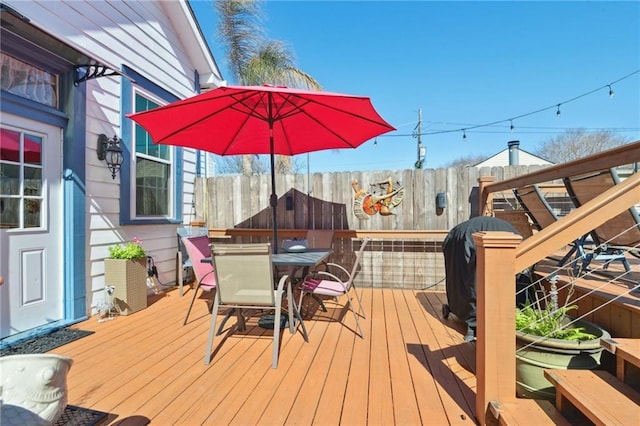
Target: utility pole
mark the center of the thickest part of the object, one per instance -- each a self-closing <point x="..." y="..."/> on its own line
<point x="417" y="133"/>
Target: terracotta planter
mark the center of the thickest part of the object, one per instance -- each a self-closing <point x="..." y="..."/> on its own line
<point x="129" y="277"/>
<point x="34" y="388"/>
<point x="554" y="354"/>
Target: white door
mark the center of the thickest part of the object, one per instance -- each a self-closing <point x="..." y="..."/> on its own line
<point x="30" y="224"/>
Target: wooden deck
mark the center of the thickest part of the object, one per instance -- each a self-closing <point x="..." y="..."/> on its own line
<point x="411" y="368"/>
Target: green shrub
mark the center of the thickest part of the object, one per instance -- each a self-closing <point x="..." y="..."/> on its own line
<point x="549" y="322"/>
<point x="130" y="250"/>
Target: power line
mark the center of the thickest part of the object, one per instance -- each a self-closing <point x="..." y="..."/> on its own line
<point x="543" y="130"/>
<point x="510" y="120"/>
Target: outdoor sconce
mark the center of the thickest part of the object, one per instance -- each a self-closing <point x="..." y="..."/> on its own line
<point x="441" y="200"/>
<point x="109" y="150"/>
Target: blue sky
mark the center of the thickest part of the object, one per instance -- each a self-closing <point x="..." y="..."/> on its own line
<point x="463" y="64"/>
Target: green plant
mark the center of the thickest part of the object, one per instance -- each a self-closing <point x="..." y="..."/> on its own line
<point x="130" y="250"/>
<point x="549" y="322"/>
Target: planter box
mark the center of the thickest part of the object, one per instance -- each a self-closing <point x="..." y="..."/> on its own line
<point x="129" y="277"/>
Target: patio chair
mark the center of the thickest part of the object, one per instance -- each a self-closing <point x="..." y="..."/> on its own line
<point x="198" y="248"/>
<point x="320" y="238"/>
<point x="535" y="204"/>
<point x="542" y="215"/>
<point x="184" y="269"/>
<point x="245" y="281"/>
<point x="615" y="237"/>
<point x="328" y="283"/>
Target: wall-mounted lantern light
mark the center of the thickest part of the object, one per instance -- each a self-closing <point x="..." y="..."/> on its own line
<point x="441" y="200"/>
<point x="109" y="150"/>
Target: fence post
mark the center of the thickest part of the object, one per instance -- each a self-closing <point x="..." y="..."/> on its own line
<point x="495" y="310"/>
<point x="485" y="199"/>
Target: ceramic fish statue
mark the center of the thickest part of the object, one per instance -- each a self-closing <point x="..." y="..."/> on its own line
<point x="33" y="388"/>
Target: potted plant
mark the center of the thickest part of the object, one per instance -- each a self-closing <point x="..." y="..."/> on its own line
<point x="547" y="337"/>
<point x="126" y="271"/>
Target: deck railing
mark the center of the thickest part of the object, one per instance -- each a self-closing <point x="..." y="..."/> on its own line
<point x="406" y="259"/>
<point x="501" y="255"/>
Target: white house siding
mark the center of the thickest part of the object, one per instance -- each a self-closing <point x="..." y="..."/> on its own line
<point x="143" y="36"/>
<point x="501" y="159"/>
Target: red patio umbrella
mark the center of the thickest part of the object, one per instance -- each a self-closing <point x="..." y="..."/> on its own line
<point x="275" y="120"/>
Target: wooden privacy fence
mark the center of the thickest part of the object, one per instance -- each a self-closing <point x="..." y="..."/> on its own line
<point x="406" y="249"/>
<point x="326" y="200"/>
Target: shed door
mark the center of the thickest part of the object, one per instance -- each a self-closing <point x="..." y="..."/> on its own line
<point x="31" y="256"/>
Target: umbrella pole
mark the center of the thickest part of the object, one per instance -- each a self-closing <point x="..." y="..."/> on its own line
<point x="273" y="201"/>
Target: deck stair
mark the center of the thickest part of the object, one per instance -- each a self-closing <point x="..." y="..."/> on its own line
<point x="525" y="412"/>
<point x="601" y="397"/>
<point x="584" y="396"/>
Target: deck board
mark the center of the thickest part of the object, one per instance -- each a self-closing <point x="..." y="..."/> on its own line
<point x="405" y="406"/>
<point x="424" y="384"/>
<point x="355" y="405"/>
<point x="412" y="367"/>
<point x="380" y="397"/>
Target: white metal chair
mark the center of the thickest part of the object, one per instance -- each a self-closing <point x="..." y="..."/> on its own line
<point x="328" y="283"/>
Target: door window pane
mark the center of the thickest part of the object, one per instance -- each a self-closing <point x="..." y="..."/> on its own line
<point x="21" y="183"/>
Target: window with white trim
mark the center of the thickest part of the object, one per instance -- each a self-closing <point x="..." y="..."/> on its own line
<point x="153" y="170"/>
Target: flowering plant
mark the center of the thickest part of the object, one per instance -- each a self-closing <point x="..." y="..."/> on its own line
<point x="130" y="250"/>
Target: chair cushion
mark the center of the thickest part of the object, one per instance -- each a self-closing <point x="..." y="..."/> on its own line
<point x="208" y="282"/>
<point x="323" y="287"/>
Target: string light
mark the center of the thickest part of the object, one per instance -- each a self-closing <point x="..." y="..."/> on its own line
<point x="557" y="106"/>
<point x="511" y="126"/>
<point x="375" y="142"/>
<point x="464" y="135"/>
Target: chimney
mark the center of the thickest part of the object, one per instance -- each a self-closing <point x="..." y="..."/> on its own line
<point x="514" y="150"/>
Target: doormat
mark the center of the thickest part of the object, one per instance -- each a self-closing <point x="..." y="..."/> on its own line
<point x="78" y="416"/>
<point x="45" y="343"/>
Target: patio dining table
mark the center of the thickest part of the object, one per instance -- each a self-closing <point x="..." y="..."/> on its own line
<point x="294" y="261"/>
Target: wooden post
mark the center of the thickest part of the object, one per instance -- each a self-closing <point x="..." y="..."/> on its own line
<point x="485" y="199"/>
<point x="496" y="322"/>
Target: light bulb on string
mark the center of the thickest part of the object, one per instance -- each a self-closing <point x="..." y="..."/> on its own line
<point x="511" y="125"/>
<point x="611" y="92"/>
<point x="558" y="111"/>
<point x="375" y="142"/>
<point x="464" y="135"/>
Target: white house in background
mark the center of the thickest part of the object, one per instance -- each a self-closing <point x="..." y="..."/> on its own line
<point x="513" y="156"/>
<point x="71" y="71"/>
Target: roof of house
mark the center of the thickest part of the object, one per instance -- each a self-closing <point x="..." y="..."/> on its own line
<point x="502" y="158"/>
